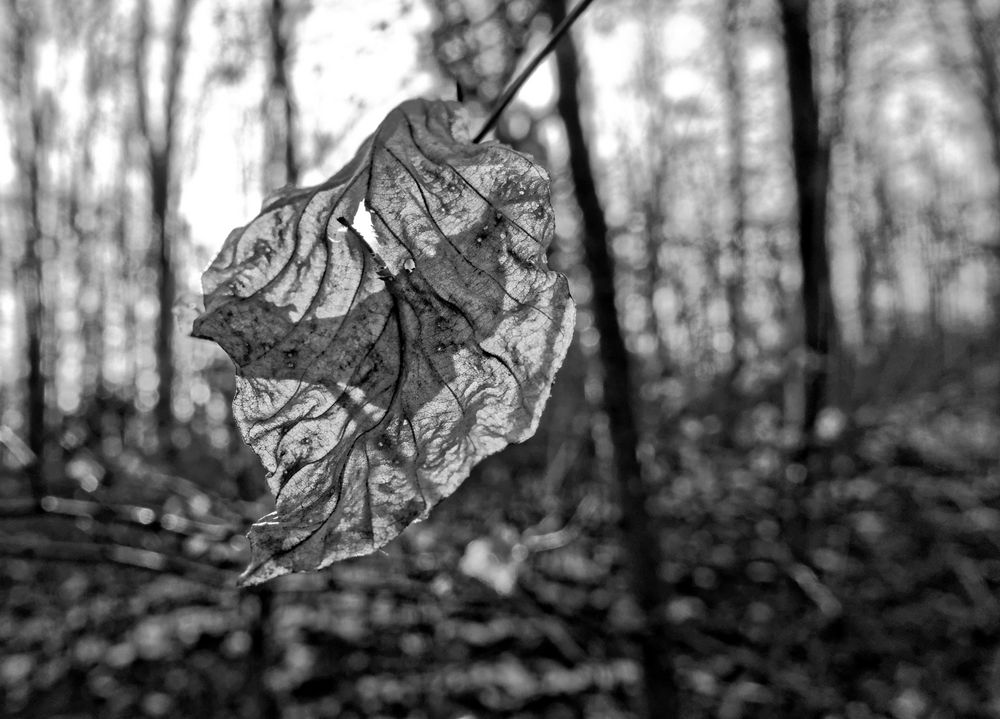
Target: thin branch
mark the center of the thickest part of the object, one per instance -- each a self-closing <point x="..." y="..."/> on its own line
<point x="132" y="557"/>
<point x="19" y="451"/>
<point x="146" y="478"/>
<point x="508" y="94"/>
<point x="126" y="515"/>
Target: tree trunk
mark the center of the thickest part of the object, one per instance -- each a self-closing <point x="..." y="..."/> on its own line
<point x="651" y="183"/>
<point x="885" y="234"/>
<point x="28" y="159"/>
<point x="160" y="149"/>
<point x="89" y="270"/>
<point x="987" y="61"/>
<point x="811" y="161"/>
<point x="986" y="55"/>
<point x="865" y="229"/>
<point x="737" y="190"/>
<point x="261" y="653"/>
<point x="620" y="399"/>
<point x="159" y="179"/>
<point x="125" y="270"/>
<point x="280" y="159"/>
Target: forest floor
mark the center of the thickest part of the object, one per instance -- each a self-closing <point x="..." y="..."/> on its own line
<point x="862" y="586"/>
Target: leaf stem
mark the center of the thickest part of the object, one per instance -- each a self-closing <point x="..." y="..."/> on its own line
<point x="508" y="94"/>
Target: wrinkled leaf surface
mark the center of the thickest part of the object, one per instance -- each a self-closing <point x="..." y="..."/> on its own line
<point x="377" y="364"/>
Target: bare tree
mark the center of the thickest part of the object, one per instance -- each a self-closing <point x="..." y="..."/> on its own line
<point x="983" y="30"/>
<point x="28" y="122"/>
<point x="735" y="127"/>
<point x="281" y="165"/>
<point x="619" y="395"/>
<point x="875" y="227"/>
<point x="88" y="239"/>
<point x="160" y="144"/>
<point x="811" y="160"/>
<point x="968" y="46"/>
<point x="648" y="181"/>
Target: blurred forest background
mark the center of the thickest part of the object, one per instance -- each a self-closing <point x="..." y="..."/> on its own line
<point x="767" y="483"/>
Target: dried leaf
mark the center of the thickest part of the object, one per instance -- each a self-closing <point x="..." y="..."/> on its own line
<point x="376" y="365"/>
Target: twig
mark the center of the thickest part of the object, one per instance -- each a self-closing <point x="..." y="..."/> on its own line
<point x="124" y="514"/>
<point x="132" y="557"/>
<point x="151" y="478"/>
<point x="812" y="587"/>
<point x="19" y="451"/>
<point x="508" y="94"/>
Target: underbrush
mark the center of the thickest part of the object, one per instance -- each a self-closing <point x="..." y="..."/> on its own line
<point x="861" y="583"/>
